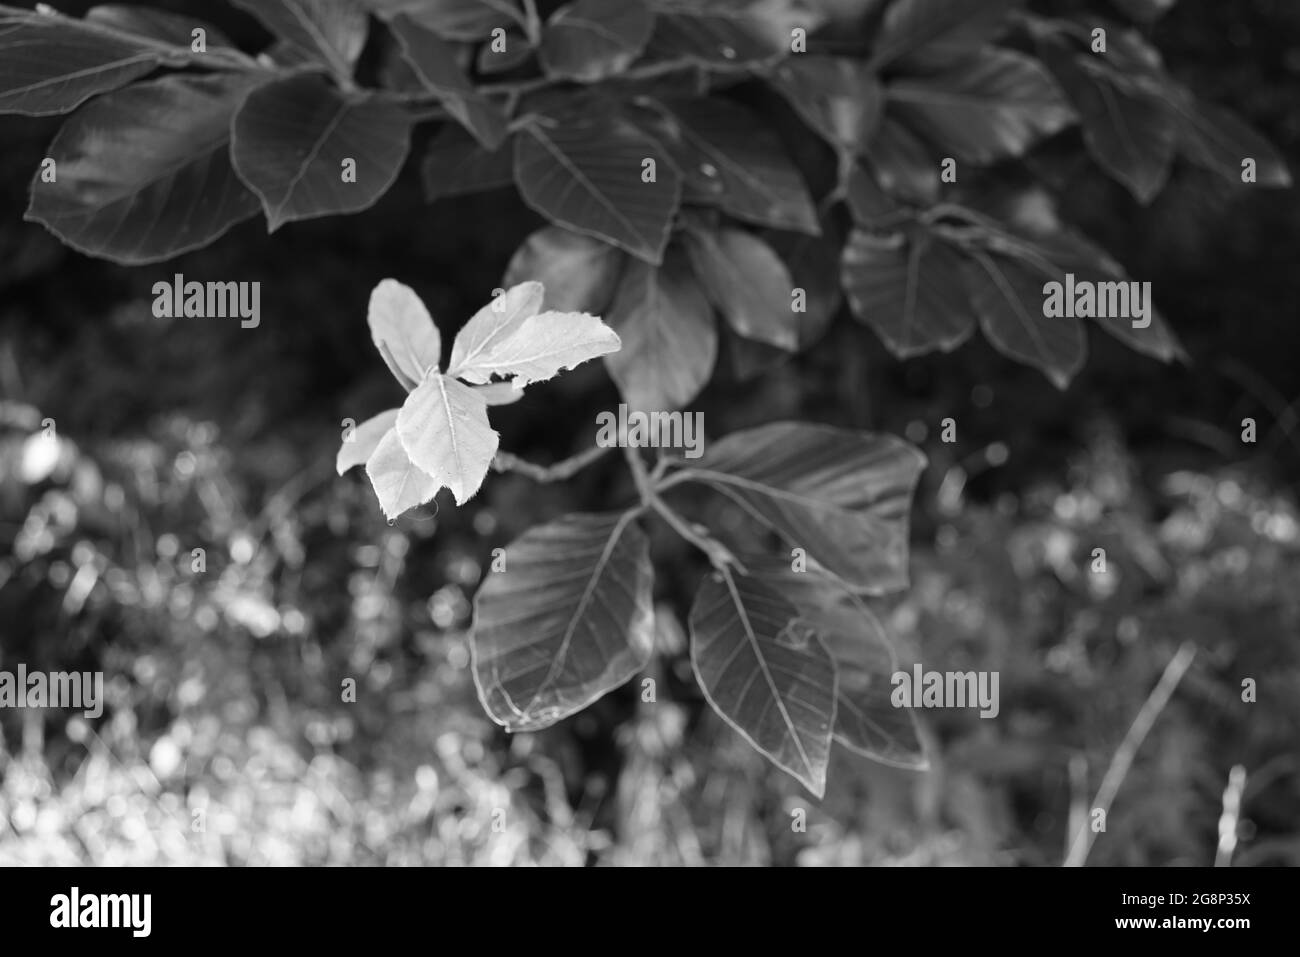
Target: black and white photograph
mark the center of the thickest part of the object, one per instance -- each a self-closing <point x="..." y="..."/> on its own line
<point x="650" y="434"/>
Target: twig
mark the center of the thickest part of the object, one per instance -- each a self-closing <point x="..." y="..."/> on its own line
<point x="507" y="462"/>
<point x="1128" y="748"/>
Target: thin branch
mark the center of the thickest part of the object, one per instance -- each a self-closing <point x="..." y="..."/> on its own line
<point x="1128" y="748"/>
<point x="720" y="556"/>
<point x="1231" y="816"/>
<point x="508" y="462"/>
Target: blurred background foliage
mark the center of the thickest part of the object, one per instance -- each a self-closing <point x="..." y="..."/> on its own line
<point x="223" y="685"/>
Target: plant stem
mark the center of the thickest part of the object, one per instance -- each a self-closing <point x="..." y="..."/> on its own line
<point x="508" y="462"/>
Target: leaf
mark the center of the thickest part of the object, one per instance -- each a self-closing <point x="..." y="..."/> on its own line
<point x="813" y="262"/>
<point x="568" y="620"/>
<point x="1131" y="135"/>
<point x="404" y="333"/>
<point x="444" y="429"/>
<point x="868" y="203"/>
<point x="330" y="32"/>
<point x="711" y="36"/>
<point x="293" y="136"/>
<point x="866" y="721"/>
<point x="434" y="63"/>
<point x="364" y="440"/>
<point x="144" y="173"/>
<point x="585" y="173"/>
<point x="542" y="346"/>
<point x="398" y="483"/>
<point x="493" y="324"/>
<point x="1008" y="297"/>
<point x="905" y="165"/>
<point x="934" y="33"/>
<point x="455" y="164"/>
<point x="907" y="286"/>
<point x="53" y="64"/>
<point x="517" y="52"/>
<point x="841" y="495"/>
<point x="589" y="40"/>
<point x="1215" y="139"/>
<point x="991" y="107"/>
<point x="499" y="393"/>
<point x="459" y="20"/>
<point x="748" y="283"/>
<point x="730" y="145"/>
<point x="173" y="28"/>
<point x="669" y="340"/>
<point x="767" y="673"/>
<point x="1145" y="10"/>
<point x="840" y="98"/>
<point x="579" y="273"/>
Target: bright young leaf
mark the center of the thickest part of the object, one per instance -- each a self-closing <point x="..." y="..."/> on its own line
<point x="670" y="341"/>
<point x="404" y="333"/>
<point x="907" y="286"/>
<point x="993" y="106"/>
<point x="579" y="273"/>
<point x="589" y="40"/>
<point x="297" y="138"/>
<point x="144" y="173"/>
<point x="541" y="347"/>
<point x="330" y="32"/>
<point x="398" y="483"/>
<point x="364" y="440"/>
<point x="587" y="173"/>
<point x="568" y="620"/>
<point x="493" y="324"/>
<point x="866" y="721"/>
<point x="748" y="283"/>
<point x="444" y="429"/>
<point x="841" y="495"/>
<point x="434" y="63"/>
<point x="767" y="673"/>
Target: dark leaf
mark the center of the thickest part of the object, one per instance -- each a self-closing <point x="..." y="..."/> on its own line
<point x="1146" y="11"/>
<point x="746" y="280"/>
<point x="713" y="36"/>
<point x="568" y="620"/>
<point x="838" y="97"/>
<point x="586" y="173"/>
<point x="455" y="164"/>
<point x="331" y="32"/>
<point x="1216" y="139"/>
<point x="988" y="108"/>
<point x="731" y="145"/>
<point x="579" y="273"/>
<point x="434" y="62"/>
<point x="1008" y="297"/>
<point x="932" y="33"/>
<point x="907" y="286"/>
<point x="904" y="164"/>
<point x="516" y="53"/>
<point x="870" y="205"/>
<point x="866" y="721"/>
<point x="589" y="40"/>
<point x="767" y="673"/>
<point x="144" y="173"/>
<point x="670" y="342"/>
<point x="841" y="495"/>
<point x="293" y="137"/>
<point x="460" y="20"/>
<point x="1131" y="134"/>
<point x="53" y="64"/>
<point x="174" y="28"/>
<point x="813" y="262"/>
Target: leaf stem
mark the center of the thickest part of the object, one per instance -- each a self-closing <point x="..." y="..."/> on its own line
<point x="508" y="462"/>
<point x="720" y="557"/>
